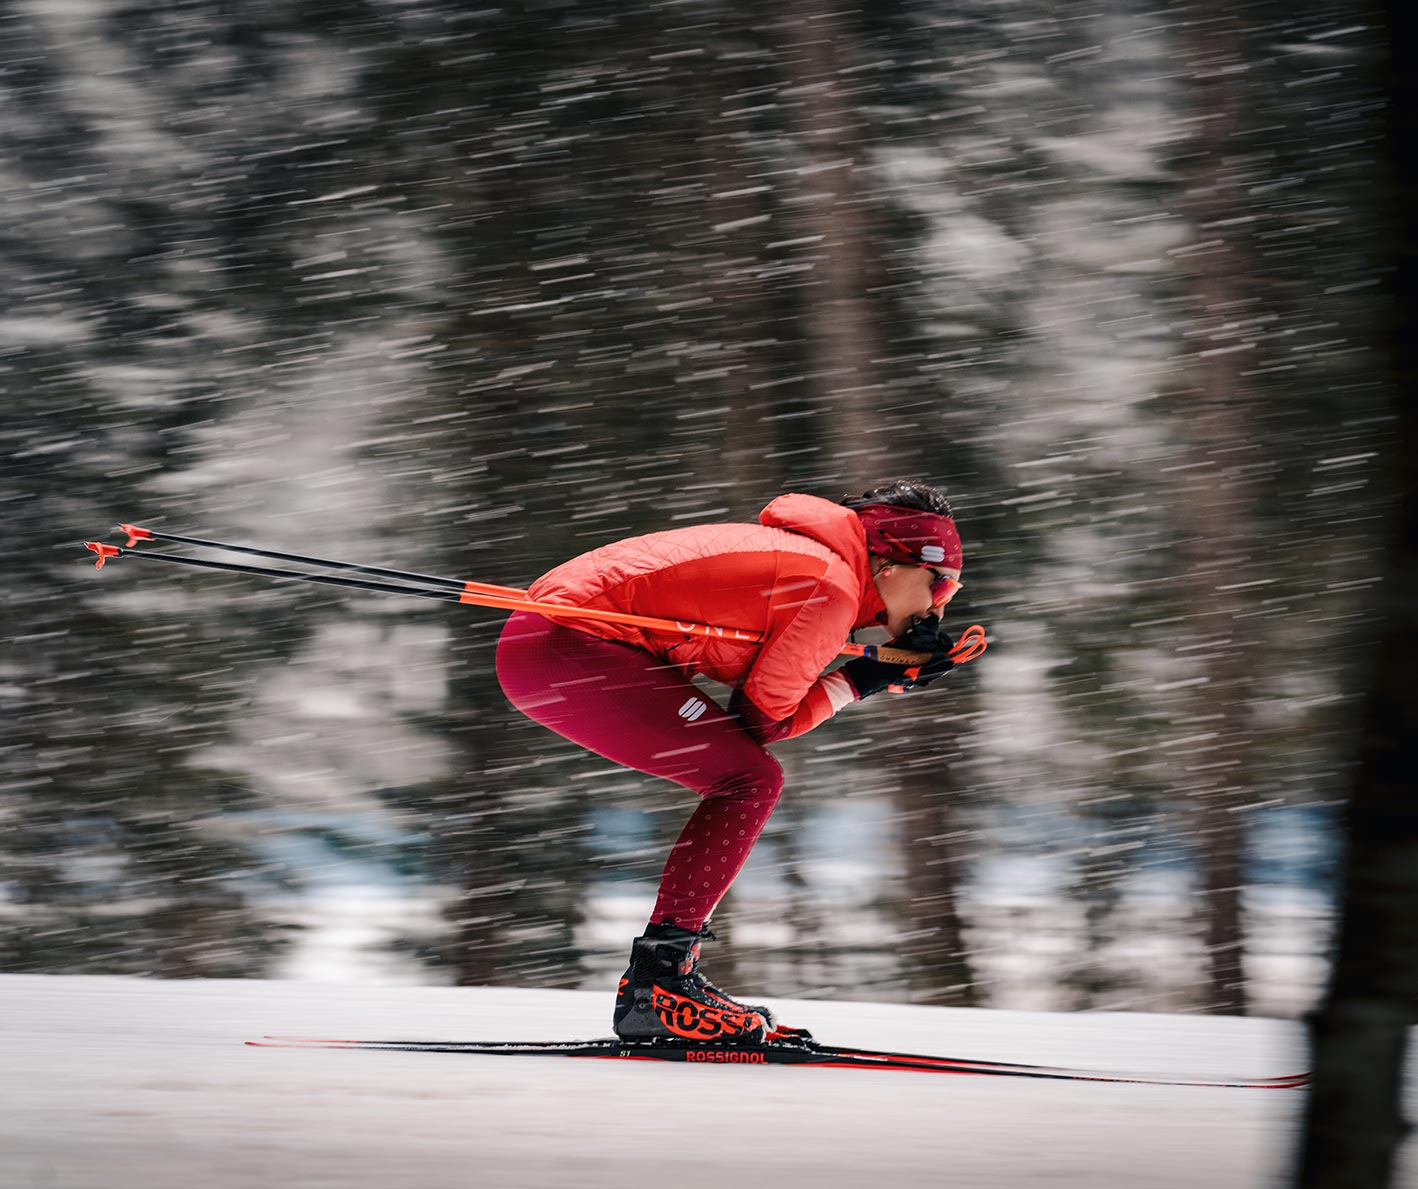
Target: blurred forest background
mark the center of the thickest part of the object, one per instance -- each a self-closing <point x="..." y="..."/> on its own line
<point x="469" y="290"/>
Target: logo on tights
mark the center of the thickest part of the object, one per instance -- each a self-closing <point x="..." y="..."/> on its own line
<point x="692" y="709"/>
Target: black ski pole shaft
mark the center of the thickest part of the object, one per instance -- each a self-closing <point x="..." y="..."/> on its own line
<point x="136" y="534"/>
<point x="107" y="551"/>
<point x="477" y="598"/>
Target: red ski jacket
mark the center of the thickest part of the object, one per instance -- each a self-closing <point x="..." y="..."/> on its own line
<point x="800" y="577"/>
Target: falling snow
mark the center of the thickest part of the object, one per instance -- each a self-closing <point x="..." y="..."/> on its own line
<point x="468" y="291"/>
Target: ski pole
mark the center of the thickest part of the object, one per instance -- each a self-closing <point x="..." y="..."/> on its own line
<point x="971" y="644"/>
<point x="476" y="597"/>
<point x="136" y="534"/>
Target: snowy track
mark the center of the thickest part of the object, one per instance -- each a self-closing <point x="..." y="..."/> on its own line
<point x="125" y="1083"/>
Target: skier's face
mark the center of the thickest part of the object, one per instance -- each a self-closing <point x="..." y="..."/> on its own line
<point x="907" y="592"/>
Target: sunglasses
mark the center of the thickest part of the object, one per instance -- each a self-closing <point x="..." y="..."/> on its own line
<point x="943" y="587"/>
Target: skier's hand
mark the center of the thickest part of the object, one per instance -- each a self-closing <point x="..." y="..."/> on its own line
<point x="869" y="676"/>
<point x="927" y="636"/>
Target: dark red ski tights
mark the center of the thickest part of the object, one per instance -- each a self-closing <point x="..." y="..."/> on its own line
<point x="632" y="708"/>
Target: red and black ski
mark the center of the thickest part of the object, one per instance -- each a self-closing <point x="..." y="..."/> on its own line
<point x="794" y="1053"/>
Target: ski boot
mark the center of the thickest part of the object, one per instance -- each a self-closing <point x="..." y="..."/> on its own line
<point x="662" y="994"/>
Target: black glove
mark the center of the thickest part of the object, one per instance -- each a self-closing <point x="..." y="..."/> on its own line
<point x="869" y="676"/>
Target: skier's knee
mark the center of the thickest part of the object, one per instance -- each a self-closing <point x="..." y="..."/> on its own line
<point x="761" y="778"/>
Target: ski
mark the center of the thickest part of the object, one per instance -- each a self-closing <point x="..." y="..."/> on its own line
<point x="799" y="1052"/>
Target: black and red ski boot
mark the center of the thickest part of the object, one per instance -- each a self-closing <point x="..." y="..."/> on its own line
<point x="662" y="994"/>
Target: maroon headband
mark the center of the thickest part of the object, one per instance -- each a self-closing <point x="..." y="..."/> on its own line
<point x="910" y="536"/>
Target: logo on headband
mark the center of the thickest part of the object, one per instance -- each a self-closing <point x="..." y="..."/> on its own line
<point x="933" y="553"/>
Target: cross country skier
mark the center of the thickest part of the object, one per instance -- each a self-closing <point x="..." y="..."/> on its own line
<point x="807" y="575"/>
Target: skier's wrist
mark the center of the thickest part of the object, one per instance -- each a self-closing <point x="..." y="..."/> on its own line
<point x="868" y="676"/>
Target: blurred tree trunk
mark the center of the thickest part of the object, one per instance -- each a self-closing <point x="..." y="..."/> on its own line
<point x="1094" y="975"/>
<point x="834" y="221"/>
<point x="934" y="950"/>
<point x="844" y="346"/>
<point x="1354" y="1123"/>
<point x="512" y="850"/>
<point x="738" y="218"/>
<point x="1218" y="520"/>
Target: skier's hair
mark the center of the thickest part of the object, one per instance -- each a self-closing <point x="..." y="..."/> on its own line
<point x="903" y="493"/>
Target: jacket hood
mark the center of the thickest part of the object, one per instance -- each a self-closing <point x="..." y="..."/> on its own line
<point x="840" y="530"/>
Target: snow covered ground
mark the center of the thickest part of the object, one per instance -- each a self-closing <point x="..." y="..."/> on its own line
<point x="124" y="1083"/>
